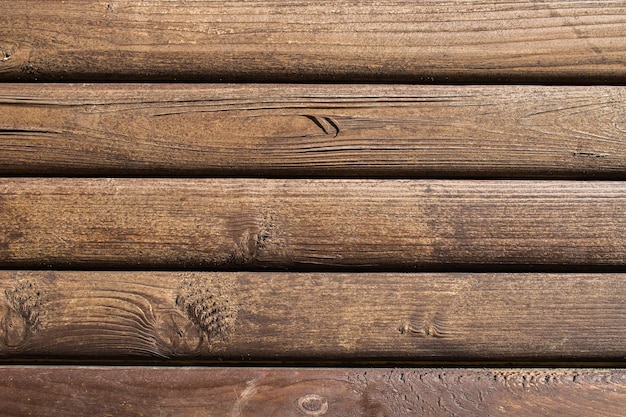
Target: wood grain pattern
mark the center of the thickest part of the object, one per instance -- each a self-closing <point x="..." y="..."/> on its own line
<point x="304" y="131"/>
<point x="313" y="317"/>
<point x="395" y="40"/>
<point x="248" y="223"/>
<point x="210" y="392"/>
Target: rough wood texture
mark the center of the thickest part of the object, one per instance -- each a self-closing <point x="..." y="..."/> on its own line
<point x="394" y="40"/>
<point x="210" y="392"/>
<point x="313" y="318"/>
<point x="291" y="130"/>
<point x="247" y="223"/>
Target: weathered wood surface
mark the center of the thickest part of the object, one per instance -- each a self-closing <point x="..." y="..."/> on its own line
<point x="313" y="317"/>
<point x="395" y="40"/>
<point x="236" y="392"/>
<point x="253" y="223"/>
<point x="299" y="131"/>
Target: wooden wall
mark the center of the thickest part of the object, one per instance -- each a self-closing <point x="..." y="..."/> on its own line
<point x="332" y="208"/>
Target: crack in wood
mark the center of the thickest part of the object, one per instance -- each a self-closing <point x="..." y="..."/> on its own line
<point x="326" y="124"/>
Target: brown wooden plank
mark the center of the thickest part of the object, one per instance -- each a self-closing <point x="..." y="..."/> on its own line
<point x="313" y="317"/>
<point x="312" y="130"/>
<point x="241" y="392"/>
<point x="248" y="223"/>
<point x="395" y="40"/>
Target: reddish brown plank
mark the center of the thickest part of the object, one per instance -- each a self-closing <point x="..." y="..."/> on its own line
<point x="241" y="392"/>
<point x="248" y="223"/>
<point x="312" y="130"/>
<point x="313" y="317"/>
<point x="394" y="40"/>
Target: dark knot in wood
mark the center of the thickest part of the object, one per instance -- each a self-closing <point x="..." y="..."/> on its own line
<point x="313" y="405"/>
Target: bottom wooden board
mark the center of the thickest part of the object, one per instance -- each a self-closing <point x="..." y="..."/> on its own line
<point x="277" y="392"/>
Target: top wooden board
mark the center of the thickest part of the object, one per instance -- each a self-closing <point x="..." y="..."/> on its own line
<point x="389" y="41"/>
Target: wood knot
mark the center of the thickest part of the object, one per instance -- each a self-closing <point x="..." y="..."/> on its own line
<point x="13" y="329"/>
<point x="433" y="329"/>
<point x="312" y="405"/>
<point x="207" y="308"/>
<point x="22" y="316"/>
<point x="179" y="336"/>
<point x="5" y="54"/>
<point x="253" y="242"/>
<point x="26" y="300"/>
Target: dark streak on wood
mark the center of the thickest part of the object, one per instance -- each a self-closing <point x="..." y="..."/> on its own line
<point x="288" y="392"/>
<point x="392" y="41"/>
<point x="316" y="318"/>
<point x="304" y="131"/>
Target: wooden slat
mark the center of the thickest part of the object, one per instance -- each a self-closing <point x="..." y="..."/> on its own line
<point x="247" y="223"/>
<point x="300" y="131"/>
<point x="209" y="392"/>
<point x="313" y="318"/>
<point x="395" y="40"/>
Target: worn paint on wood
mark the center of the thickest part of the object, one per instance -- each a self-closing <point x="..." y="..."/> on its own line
<point x="303" y="131"/>
<point x="313" y="317"/>
<point x="395" y="40"/>
<point x="287" y="392"/>
<point x="248" y="223"/>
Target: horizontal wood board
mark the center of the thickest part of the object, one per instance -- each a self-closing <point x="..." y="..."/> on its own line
<point x="293" y="130"/>
<point x="237" y="392"/>
<point x="395" y="40"/>
<point x="312" y="318"/>
<point x="304" y="224"/>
